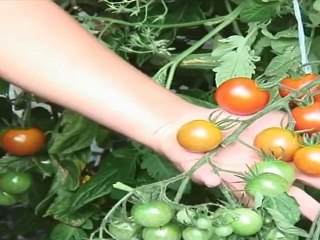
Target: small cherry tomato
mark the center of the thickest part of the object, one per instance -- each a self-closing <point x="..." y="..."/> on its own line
<point x="204" y="223"/>
<point x="194" y="233"/>
<point x="23" y="142"/>
<point x="307" y="160"/>
<point x="248" y="222"/>
<point x="199" y="136"/>
<point x="280" y="142"/>
<point x="241" y="96"/>
<point x="15" y="182"/>
<point x="152" y="214"/>
<point x="267" y="184"/>
<point x="307" y="118"/>
<point x="297" y="84"/>
<point x="169" y="231"/>
<point x="281" y="168"/>
<point x="7" y="199"/>
<point x="223" y="230"/>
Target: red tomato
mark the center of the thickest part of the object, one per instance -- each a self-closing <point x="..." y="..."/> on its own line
<point x="299" y="83"/>
<point x="307" y="117"/>
<point x="241" y="96"/>
<point x="280" y="142"/>
<point x="307" y="160"/>
<point x="23" y="142"/>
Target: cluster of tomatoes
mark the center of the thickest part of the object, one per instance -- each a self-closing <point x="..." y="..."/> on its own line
<point x="20" y="143"/>
<point x="158" y="220"/>
<point x="242" y="96"/>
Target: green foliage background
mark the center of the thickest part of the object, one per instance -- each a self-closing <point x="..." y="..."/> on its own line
<point x="189" y="46"/>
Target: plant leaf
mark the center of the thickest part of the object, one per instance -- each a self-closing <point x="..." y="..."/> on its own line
<point x="77" y="133"/>
<point x="285" y="205"/>
<point x="66" y="232"/>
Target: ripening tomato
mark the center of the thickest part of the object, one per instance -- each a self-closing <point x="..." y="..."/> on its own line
<point x="152" y="214"/>
<point x="267" y="184"/>
<point x="15" y="182"/>
<point x="280" y="142"/>
<point x="6" y="199"/>
<point x="307" y="118"/>
<point x="23" y="142"/>
<point x="248" y="222"/>
<point x="194" y="233"/>
<point x="169" y="231"/>
<point x="281" y="168"/>
<point x="307" y="160"/>
<point x="297" y="84"/>
<point x="199" y="136"/>
<point x="241" y="96"/>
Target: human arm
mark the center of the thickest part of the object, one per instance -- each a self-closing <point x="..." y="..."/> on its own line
<point x="49" y="54"/>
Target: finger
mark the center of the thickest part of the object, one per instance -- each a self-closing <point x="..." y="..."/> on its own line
<point x="309" y="207"/>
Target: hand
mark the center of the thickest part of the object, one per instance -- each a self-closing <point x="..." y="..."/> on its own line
<point x="235" y="157"/>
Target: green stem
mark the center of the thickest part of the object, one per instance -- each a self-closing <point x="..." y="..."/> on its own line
<point x="181" y="189"/>
<point x="212" y="21"/>
<point x="175" y="62"/>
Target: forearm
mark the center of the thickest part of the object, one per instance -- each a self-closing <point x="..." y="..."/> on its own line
<point x="45" y="51"/>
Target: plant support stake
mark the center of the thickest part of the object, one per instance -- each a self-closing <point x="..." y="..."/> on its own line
<point x="302" y="39"/>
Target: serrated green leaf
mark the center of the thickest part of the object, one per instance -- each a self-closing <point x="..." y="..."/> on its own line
<point x="285" y="205"/>
<point x="159" y="168"/>
<point x="258" y="11"/>
<point x="284" y="224"/>
<point x="280" y="65"/>
<point x="236" y="57"/>
<point x="314" y="18"/>
<point x="60" y="210"/>
<point x="316" y="5"/>
<point x="280" y="46"/>
<point x="119" y="158"/>
<point x="66" y="232"/>
<point x="77" y="133"/>
<point x="99" y="185"/>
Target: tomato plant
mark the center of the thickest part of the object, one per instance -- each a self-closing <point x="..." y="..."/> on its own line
<point x="199" y="136"/>
<point x="307" y="160"/>
<point x="241" y="96"/>
<point x="15" y="182"/>
<point x="279" y="142"/>
<point x="293" y="84"/>
<point x="152" y="214"/>
<point x="231" y="53"/>
<point x="281" y="168"/>
<point x="307" y="118"/>
<point x="267" y="184"/>
<point x="23" y="142"/>
<point x="123" y="229"/>
<point x="7" y="199"/>
<point x="194" y="233"/>
<point x="169" y="231"/>
<point x="248" y="221"/>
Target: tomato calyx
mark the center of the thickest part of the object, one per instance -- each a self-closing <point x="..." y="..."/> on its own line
<point x="225" y="123"/>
